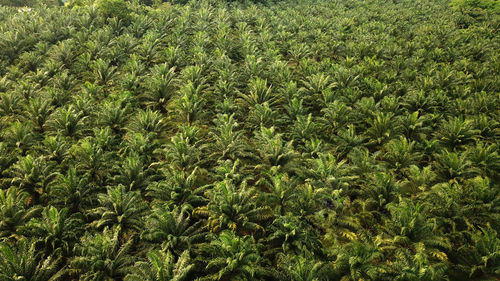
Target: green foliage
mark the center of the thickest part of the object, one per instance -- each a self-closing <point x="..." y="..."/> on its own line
<point x="492" y="5"/>
<point x="232" y="140"/>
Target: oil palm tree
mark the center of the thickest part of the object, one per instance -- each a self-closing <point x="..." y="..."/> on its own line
<point x="358" y="260"/>
<point x="303" y="268"/>
<point x="231" y="256"/>
<point x="32" y="175"/>
<point x="234" y="208"/>
<point x="161" y="266"/>
<point x="120" y="208"/>
<point x="56" y="230"/>
<point x="22" y="261"/>
<point x="173" y="229"/>
<point x="101" y="256"/>
<point x="73" y="191"/>
<point x="177" y="187"/>
<point x="14" y="213"/>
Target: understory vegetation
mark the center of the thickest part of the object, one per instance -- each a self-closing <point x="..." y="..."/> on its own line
<point x="289" y="140"/>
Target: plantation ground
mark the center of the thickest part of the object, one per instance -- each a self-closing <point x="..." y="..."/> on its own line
<point x="292" y="140"/>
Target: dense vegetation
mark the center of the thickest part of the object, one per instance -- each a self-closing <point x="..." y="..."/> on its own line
<point x="296" y="140"/>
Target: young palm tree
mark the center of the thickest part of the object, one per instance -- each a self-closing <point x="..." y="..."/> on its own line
<point x="359" y="260"/>
<point x="232" y="208"/>
<point x="228" y="142"/>
<point x="92" y="161"/>
<point x="303" y="268"/>
<point x="259" y="92"/>
<point x="417" y="266"/>
<point x="160" y="87"/>
<point x="131" y="174"/>
<point x="456" y="132"/>
<point x="115" y="115"/>
<point x="303" y="129"/>
<point x="482" y="258"/>
<point x="19" y="136"/>
<point x="453" y="166"/>
<point x="104" y="72"/>
<point x="147" y="122"/>
<point x="56" y="231"/>
<point x="408" y="227"/>
<point x="73" y="191"/>
<point x="173" y="229"/>
<point x="22" y="261"/>
<point x="231" y="256"/>
<point x="400" y="153"/>
<point x="38" y="111"/>
<point x="161" y="266"/>
<point x="120" y="208"/>
<point x="66" y="122"/>
<point x="288" y="234"/>
<point x="13" y="212"/>
<point x="280" y="192"/>
<point x="177" y="188"/>
<point x="32" y="175"/>
<point x="101" y="257"/>
<point x="382" y="128"/>
<point x="274" y="152"/>
<point x="190" y="103"/>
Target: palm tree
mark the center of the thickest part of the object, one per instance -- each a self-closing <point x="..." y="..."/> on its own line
<point x="303" y="268"/>
<point x="382" y="128"/>
<point x="400" y="153"/>
<point x="326" y="171"/>
<point x="32" y="175"/>
<point x="101" y="257"/>
<point x="173" y="229"/>
<point x="453" y="166"/>
<point x="131" y="174"/>
<point x="232" y="208"/>
<point x="160" y="87"/>
<point x="318" y="86"/>
<point x="190" y="103"/>
<point x="182" y="150"/>
<point x="120" y="208"/>
<point x="38" y="111"/>
<point x="177" y="188"/>
<point x="334" y="116"/>
<point x="72" y="191"/>
<point x="147" y="122"/>
<point x="161" y="266"/>
<point x="114" y="115"/>
<point x="22" y="261"/>
<point x="67" y="122"/>
<point x="409" y="227"/>
<point x="303" y="129"/>
<point x="259" y="92"/>
<point x="274" y="152"/>
<point x="92" y="161"/>
<point x="417" y="266"/>
<point x="56" y="230"/>
<point x="456" y="132"/>
<point x="289" y="234"/>
<point x="486" y="158"/>
<point x="228" y="142"/>
<point x="358" y="260"/>
<point x="13" y="211"/>
<point x="104" y="72"/>
<point x="481" y="259"/>
<point x="280" y="191"/>
<point x="231" y="257"/>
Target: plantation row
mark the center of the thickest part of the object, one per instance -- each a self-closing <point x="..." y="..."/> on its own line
<point x="297" y="140"/>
